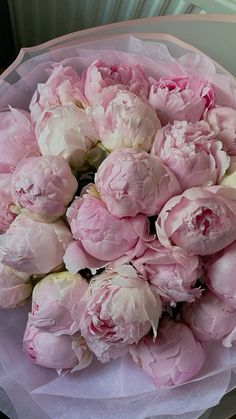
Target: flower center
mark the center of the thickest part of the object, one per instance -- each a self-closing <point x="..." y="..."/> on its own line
<point x="203" y="220"/>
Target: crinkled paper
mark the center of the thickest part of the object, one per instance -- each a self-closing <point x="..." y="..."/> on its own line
<point x="119" y="389"/>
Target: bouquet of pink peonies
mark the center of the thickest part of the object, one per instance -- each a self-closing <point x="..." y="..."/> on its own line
<point x="118" y="215"/>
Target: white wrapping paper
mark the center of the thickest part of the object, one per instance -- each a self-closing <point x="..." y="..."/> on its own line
<point x="118" y="389"/>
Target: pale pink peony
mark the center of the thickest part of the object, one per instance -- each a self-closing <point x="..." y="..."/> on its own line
<point x="223" y="121"/>
<point x="63" y="86"/>
<point x="34" y="247"/>
<point x="221" y="275"/>
<point x="15" y="287"/>
<point x="100" y="75"/>
<point x="131" y="181"/>
<point x="53" y="299"/>
<point x="17" y="139"/>
<point x="209" y="318"/>
<point x="192" y="153"/>
<point x="170" y="272"/>
<point x="43" y="187"/>
<point x="119" y="308"/>
<point x="102" y="235"/>
<point x="181" y="98"/>
<point x="122" y="119"/>
<point x="174" y="358"/>
<point x="7" y="214"/>
<point x="63" y="353"/>
<point x="201" y="220"/>
<point x="66" y="131"/>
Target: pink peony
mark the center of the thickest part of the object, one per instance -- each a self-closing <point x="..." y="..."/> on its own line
<point x="119" y="308"/>
<point x="14" y="287"/>
<point x="17" y="139"/>
<point x="101" y="234"/>
<point x="7" y="214"/>
<point x="101" y="75"/>
<point x="34" y="247"/>
<point x="63" y="86"/>
<point x="223" y="121"/>
<point x="43" y="186"/>
<point x="190" y="151"/>
<point x="201" y="220"/>
<point x="66" y="131"/>
<point x="181" y="98"/>
<point x="174" y="358"/>
<point x="221" y="275"/>
<point x="123" y="120"/>
<point x="170" y="272"/>
<point x="52" y="301"/>
<point x="209" y="318"/>
<point x="63" y="353"/>
<point x="131" y="181"/>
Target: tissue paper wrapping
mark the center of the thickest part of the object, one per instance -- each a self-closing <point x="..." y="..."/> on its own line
<point x="118" y="389"/>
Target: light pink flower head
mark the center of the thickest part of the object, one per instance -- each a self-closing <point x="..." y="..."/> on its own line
<point x="102" y="235"/>
<point x="17" y="139"/>
<point x="63" y="86"/>
<point x="53" y="299"/>
<point x="181" y="98"/>
<point x="43" y="186"/>
<point x="192" y="153"/>
<point x="34" y="247"/>
<point x="7" y="214"/>
<point x="209" y="318"/>
<point x="123" y="120"/>
<point x="201" y="220"/>
<point x="221" y="275"/>
<point x="66" y="131"/>
<point x="100" y="75"/>
<point x="170" y="272"/>
<point x="63" y="353"/>
<point x="174" y="358"/>
<point x="131" y="181"/>
<point x="119" y="308"/>
<point x="223" y="121"/>
<point x="14" y="287"/>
